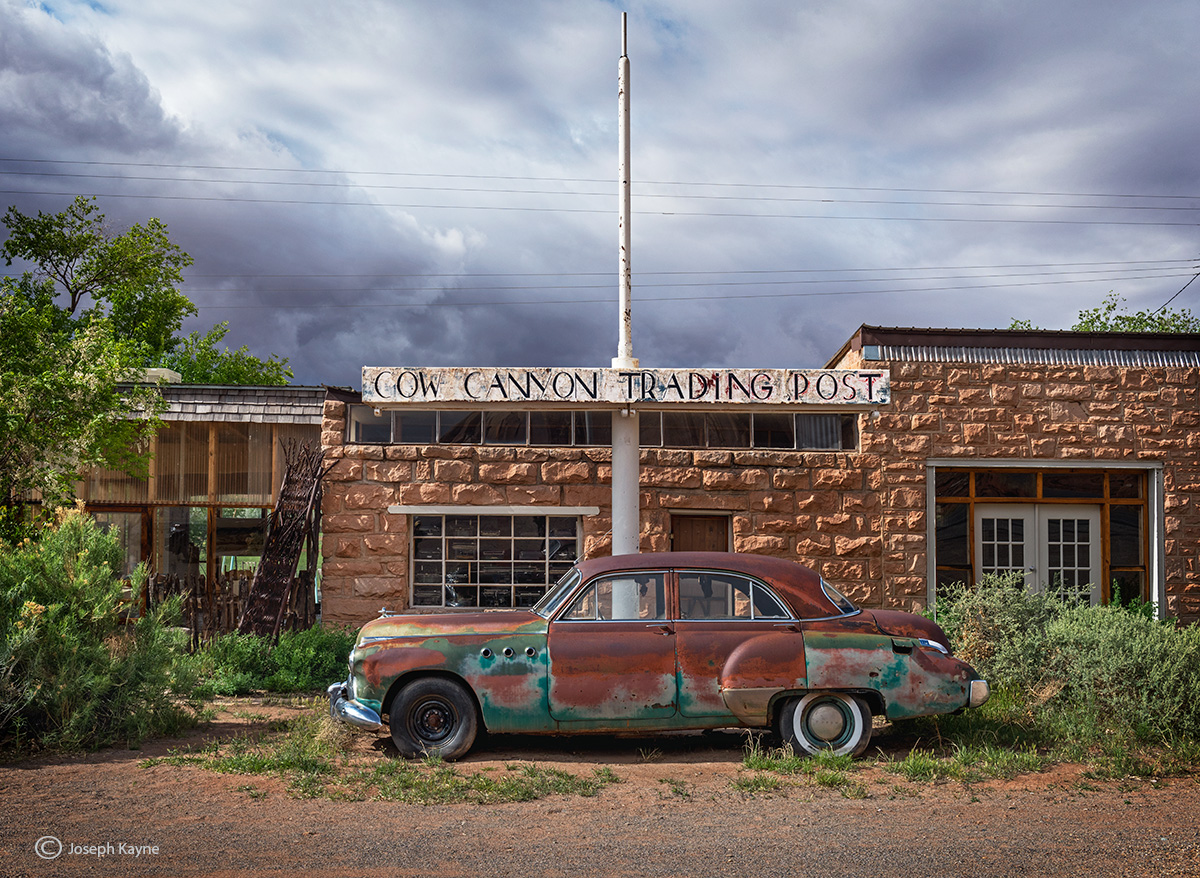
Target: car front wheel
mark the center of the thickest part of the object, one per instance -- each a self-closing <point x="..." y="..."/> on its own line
<point x="827" y="722"/>
<point x="433" y="716"/>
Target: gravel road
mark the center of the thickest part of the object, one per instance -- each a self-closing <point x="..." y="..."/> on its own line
<point x="676" y="812"/>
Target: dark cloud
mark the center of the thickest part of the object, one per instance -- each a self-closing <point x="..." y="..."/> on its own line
<point x="846" y="117"/>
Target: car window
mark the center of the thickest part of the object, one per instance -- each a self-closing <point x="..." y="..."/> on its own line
<point x="705" y="595"/>
<point x="556" y="595"/>
<point x="624" y="596"/>
<point x="842" y="602"/>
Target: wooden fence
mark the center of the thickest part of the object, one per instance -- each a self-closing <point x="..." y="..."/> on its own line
<point x="215" y="607"/>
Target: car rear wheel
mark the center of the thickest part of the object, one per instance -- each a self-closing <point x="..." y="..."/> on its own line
<point x="432" y="716"/>
<point x="827" y="722"/>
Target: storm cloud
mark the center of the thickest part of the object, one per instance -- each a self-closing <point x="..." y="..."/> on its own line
<point x="434" y="183"/>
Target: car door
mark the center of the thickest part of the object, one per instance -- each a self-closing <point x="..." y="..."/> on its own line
<point x="734" y="639"/>
<point x="612" y="652"/>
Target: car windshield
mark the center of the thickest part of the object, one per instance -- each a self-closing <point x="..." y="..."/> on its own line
<point x="553" y="598"/>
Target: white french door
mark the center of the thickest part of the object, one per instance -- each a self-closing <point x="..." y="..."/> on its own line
<point x="1055" y="547"/>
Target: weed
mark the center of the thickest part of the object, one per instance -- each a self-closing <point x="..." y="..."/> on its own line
<point x="309" y="753"/>
<point x="757" y="783"/>
<point x="678" y="787"/>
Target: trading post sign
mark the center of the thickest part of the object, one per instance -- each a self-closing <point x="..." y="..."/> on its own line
<point x="388" y="385"/>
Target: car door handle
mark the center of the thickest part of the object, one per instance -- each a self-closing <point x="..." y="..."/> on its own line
<point x="662" y="629"/>
<point x="787" y="626"/>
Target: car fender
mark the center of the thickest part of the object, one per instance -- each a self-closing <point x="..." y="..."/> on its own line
<point x="758" y="670"/>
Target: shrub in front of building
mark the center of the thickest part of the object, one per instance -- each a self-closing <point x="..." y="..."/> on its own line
<point x="78" y="668"/>
<point x="303" y="661"/>
<point x="1093" y="674"/>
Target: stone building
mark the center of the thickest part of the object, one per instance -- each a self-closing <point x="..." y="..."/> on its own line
<point x="1071" y="457"/>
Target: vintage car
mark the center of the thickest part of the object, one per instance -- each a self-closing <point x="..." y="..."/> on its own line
<point x="641" y="643"/>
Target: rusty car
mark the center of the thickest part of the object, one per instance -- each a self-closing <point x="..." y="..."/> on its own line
<point x="656" y="642"/>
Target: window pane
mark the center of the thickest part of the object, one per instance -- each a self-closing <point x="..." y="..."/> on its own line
<point x="495" y="525"/>
<point x="505" y="428"/>
<point x="1125" y="536"/>
<point x="1126" y="486"/>
<point x="766" y="605"/>
<point x="819" y="432"/>
<point x="952" y="484"/>
<point x="460" y="428"/>
<point x="427" y="526"/>
<point x="952" y="539"/>
<point x="366" y="427"/>
<point x="415" y="428"/>
<point x="728" y="430"/>
<point x="849" y="432"/>
<point x="1127" y="587"/>
<point x="649" y="428"/>
<point x="584" y="606"/>
<point x="595" y="428"/>
<point x="774" y="430"/>
<point x="550" y="428"/>
<point x="427" y="596"/>
<point x="1072" y="484"/>
<point x="462" y="525"/>
<point x="683" y="430"/>
<point x="1001" y="483"/>
<point x="529" y="526"/>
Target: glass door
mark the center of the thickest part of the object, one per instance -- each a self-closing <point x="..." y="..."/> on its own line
<point x="1056" y="547"/>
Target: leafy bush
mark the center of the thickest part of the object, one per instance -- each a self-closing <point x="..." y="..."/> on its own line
<point x="75" y="672"/>
<point x="302" y="661"/>
<point x="1080" y="672"/>
<point x="307" y="661"/>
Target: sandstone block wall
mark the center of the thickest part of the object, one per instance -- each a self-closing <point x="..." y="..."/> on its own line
<point x="1088" y="415"/>
<point x="859" y="518"/>
<point x="822" y="509"/>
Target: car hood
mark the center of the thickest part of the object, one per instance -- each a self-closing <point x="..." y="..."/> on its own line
<point x="491" y="623"/>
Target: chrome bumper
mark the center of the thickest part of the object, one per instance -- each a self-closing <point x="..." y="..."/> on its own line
<point x="343" y="709"/>
<point x="980" y="692"/>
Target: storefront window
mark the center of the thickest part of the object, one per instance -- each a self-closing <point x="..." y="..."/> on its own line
<point x="821" y="431"/>
<point x="1082" y="533"/>
<point x="489" y="560"/>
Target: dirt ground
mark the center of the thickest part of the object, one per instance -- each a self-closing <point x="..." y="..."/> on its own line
<point x="676" y="812"/>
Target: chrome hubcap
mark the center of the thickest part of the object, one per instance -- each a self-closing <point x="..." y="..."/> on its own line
<point x="826" y="722"/>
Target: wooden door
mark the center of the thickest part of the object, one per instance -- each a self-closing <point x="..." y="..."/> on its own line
<point x="699" y="533"/>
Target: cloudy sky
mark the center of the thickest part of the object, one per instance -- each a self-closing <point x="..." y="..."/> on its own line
<point x="433" y="182"/>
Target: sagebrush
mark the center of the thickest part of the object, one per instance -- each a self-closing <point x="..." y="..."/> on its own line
<point x="78" y="668"/>
<point x="1093" y="672"/>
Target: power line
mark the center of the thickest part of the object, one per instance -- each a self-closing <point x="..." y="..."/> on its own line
<point x="802" y="186"/>
<point x="691" y="299"/>
<point x="577" y="210"/>
<point x="579" y="194"/>
<point x="753" y="271"/>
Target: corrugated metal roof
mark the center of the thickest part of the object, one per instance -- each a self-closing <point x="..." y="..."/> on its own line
<point x="1036" y="356"/>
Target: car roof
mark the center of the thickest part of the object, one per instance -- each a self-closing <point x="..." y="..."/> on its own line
<point x="800" y="586"/>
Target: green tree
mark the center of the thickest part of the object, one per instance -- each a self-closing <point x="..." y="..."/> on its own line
<point x="60" y="406"/>
<point x="1106" y="318"/>
<point x="93" y="310"/>
<point x="198" y="359"/>
<point x="130" y="279"/>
